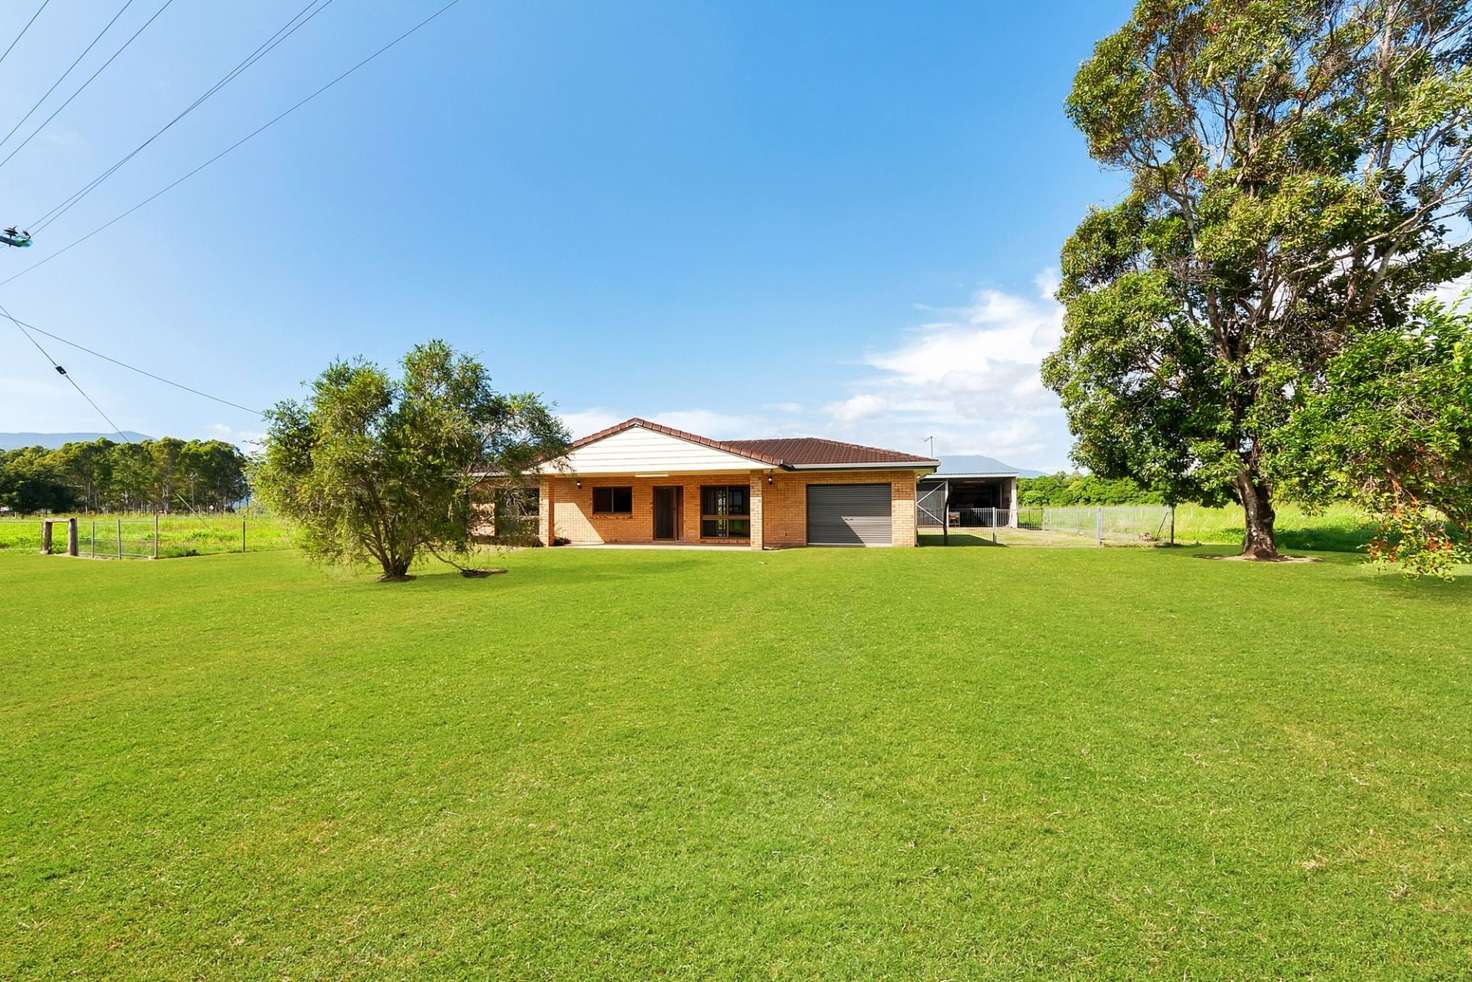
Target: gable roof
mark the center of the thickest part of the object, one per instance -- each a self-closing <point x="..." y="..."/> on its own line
<point x="789" y="453"/>
<point x="812" y="451"/>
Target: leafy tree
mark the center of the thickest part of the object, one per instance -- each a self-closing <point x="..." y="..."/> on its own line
<point x="1391" y="428"/>
<point x="1293" y="166"/>
<point x="211" y="474"/>
<point x="29" y="482"/>
<point x="87" y="468"/>
<point x="371" y="466"/>
<point x="131" y="481"/>
<point x="1082" y="489"/>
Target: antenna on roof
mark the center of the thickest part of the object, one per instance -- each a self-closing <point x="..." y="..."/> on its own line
<point x="932" y="445"/>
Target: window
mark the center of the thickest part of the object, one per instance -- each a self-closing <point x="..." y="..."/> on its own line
<point x="725" y="512"/>
<point x="613" y="501"/>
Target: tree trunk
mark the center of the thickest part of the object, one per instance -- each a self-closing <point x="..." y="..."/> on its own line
<point x="1261" y="541"/>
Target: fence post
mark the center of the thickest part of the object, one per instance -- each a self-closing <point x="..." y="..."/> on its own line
<point x="242" y="535"/>
<point x="155" y="535"/>
<point x="120" y="538"/>
<point x="94" y="538"/>
<point x="1098" y="525"/>
<point x="45" y="537"/>
<point x="71" y="537"/>
<point x="1172" y="524"/>
<point x="994" y="524"/>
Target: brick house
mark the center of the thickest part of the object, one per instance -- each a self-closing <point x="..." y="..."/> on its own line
<point x="640" y="482"/>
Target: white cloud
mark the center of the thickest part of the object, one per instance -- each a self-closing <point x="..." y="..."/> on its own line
<point x="862" y="406"/>
<point x="1452" y="291"/>
<point x="969" y="378"/>
<point x="586" y="421"/>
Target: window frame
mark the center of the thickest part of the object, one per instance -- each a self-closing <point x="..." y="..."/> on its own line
<point x="728" y="516"/>
<point x="612" y="491"/>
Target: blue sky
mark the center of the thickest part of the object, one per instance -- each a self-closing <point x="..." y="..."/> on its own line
<point x="747" y="219"/>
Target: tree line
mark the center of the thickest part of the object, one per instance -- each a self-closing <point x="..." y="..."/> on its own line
<point x="163" y="475"/>
<point x="1063" y="489"/>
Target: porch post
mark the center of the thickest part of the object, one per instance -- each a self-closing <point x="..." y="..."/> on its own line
<point x="758" y="482"/>
<point x="546" y="524"/>
<point x="1012" y="504"/>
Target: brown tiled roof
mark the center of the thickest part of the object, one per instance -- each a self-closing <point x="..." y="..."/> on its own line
<point x="814" y="451"/>
<point x="801" y="451"/>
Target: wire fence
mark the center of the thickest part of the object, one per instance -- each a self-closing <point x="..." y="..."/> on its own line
<point x="134" y="536"/>
<point x="1133" y="524"/>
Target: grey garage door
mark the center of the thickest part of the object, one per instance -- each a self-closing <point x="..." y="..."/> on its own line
<point x="848" y="515"/>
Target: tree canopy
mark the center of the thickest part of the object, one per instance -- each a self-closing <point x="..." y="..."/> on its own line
<point x="376" y="467"/>
<point x="1392" y="430"/>
<point x="164" y="475"/>
<point x="1294" y="169"/>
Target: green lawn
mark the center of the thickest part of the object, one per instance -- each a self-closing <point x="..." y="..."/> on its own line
<point x="931" y="763"/>
<point x="179" y="534"/>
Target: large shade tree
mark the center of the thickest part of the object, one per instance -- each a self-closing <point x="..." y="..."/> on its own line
<point x="376" y="467"/>
<point x="1298" y="174"/>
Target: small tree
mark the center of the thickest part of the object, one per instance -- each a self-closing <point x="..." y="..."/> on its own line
<point x="1296" y="169"/>
<point x="371" y="466"/>
<point x="1391" y="429"/>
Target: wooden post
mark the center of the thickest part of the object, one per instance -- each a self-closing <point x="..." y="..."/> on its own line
<point x="994" y="524"/>
<point x="1172" y="524"/>
<point x="71" y="537"/>
<point x="242" y="535"/>
<point x="120" y="538"/>
<point x="155" y="535"/>
<point x="1098" y="525"/>
<point x="46" y="536"/>
<point x="94" y="538"/>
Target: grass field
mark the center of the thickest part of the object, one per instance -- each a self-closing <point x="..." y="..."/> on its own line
<point x="930" y="763"/>
<point x="179" y="535"/>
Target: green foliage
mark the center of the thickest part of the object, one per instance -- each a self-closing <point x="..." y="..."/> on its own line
<point x="1294" y="165"/>
<point x="371" y="466"/>
<point x="1083" y="489"/>
<point x="1391" y="428"/>
<point x="161" y="475"/>
<point x="736" y="765"/>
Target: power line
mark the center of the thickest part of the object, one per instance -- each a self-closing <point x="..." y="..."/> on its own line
<point x="24" y="325"/>
<point x="106" y="27"/>
<point x="63" y="373"/>
<point x="23" y="30"/>
<point x="296" y="23"/>
<point x="57" y="111"/>
<point x="249" y="136"/>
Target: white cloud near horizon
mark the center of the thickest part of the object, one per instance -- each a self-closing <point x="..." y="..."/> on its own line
<point x="969" y="377"/>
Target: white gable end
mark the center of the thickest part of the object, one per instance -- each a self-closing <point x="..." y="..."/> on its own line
<point x="638" y="450"/>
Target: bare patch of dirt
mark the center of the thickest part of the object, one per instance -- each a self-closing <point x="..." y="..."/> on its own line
<point x="1254" y="559"/>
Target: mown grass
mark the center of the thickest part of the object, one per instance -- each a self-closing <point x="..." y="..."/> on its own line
<point x="929" y="763"/>
<point x="179" y="534"/>
<point x="1337" y="528"/>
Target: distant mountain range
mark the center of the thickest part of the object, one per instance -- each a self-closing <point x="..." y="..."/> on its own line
<point x="14" y="441"/>
<point x="980" y="464"/>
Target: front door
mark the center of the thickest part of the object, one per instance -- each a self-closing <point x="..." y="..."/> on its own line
<point x="667" y="513"/>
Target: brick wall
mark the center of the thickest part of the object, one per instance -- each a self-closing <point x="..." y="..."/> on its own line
<point x="574" y="519"/>
<point x="778" y="508"/>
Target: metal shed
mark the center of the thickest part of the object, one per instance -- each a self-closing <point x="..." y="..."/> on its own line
<point x="967" y="491"/>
